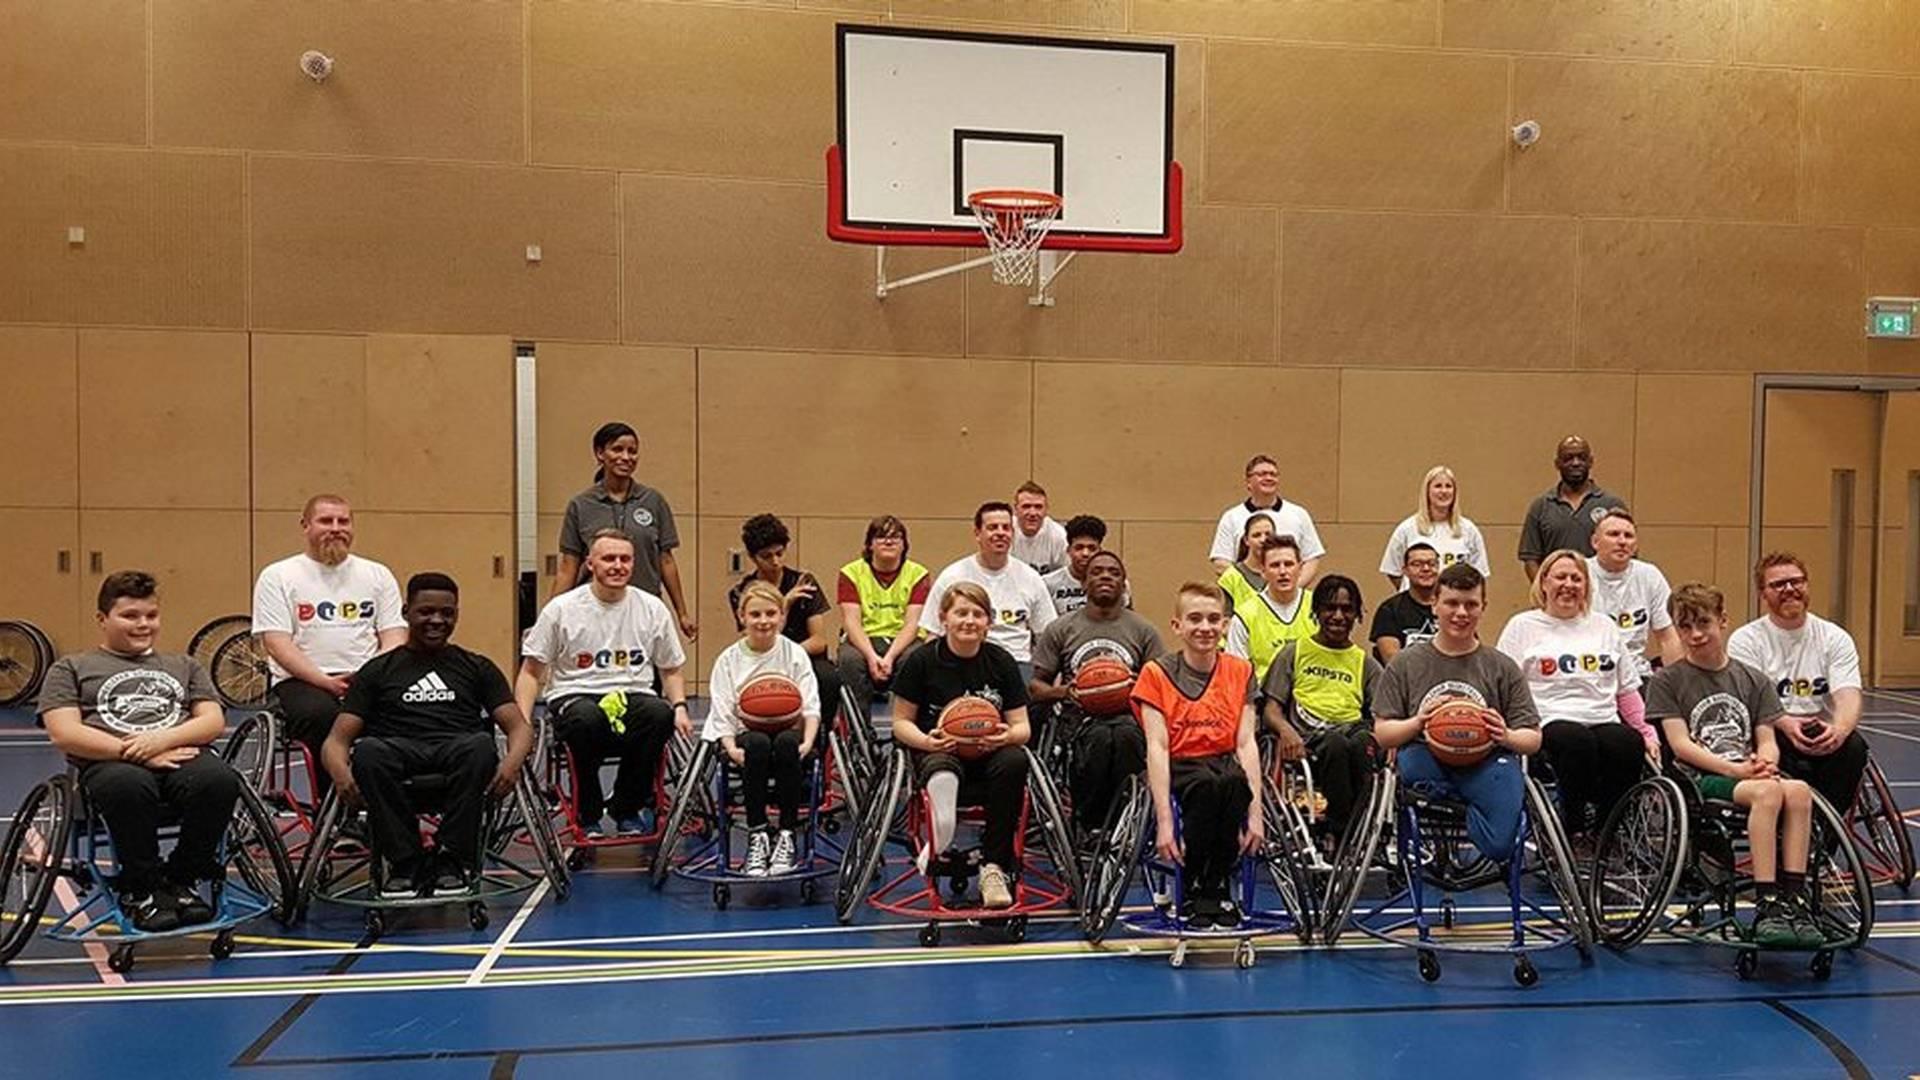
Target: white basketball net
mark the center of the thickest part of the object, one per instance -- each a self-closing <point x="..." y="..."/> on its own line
<point x="1015" y="224"/>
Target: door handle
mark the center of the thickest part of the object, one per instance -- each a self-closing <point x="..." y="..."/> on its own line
<point x="95" y="563"/>
<point x="499" y="566"/>
<point x="553" y="565"/>
<point x="63" y="561"/>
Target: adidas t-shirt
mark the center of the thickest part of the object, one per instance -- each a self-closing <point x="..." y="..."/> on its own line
<point x="334" y="613"/>
<point x="591" y="647"/>
<point x="412" y="694"/>
<point x="1806" y="665"/>
<point x="1468" y="547"/>
<point x="1636" y="600"/>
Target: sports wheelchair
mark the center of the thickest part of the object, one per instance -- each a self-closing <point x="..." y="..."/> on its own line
<point x="1879" y="830"/>
<point x="1429" y="848"/>
<point x="556" y="773"/>
<point x="56" y="844"/>
<point x="900" y="815"/>
<point x="1669" y="860"/>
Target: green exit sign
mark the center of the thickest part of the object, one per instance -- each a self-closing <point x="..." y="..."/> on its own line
<point x="1892" y="316"/>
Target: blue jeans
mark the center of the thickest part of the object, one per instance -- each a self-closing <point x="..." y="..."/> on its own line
<point x="1493" y="790"/>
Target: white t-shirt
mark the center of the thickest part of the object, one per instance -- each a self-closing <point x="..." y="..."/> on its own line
<point x="1806" y="665"/>
<point x="1469" y="547"/>
<point x="1636" y="600"/>
<point x="1576" y="668"/>
<point x="334" y="613"/>
<point x="592" y="647"/>
<point x="1045" y="550"/>
<point x="1289" y="519"/>
<point x="1022" y="606"/>
<point x="737" y="665"/>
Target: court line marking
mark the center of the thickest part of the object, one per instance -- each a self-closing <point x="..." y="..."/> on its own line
<point x="1891" y="734"/>
<point x="492" y="957"/>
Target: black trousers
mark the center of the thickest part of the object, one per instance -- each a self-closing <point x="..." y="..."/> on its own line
<point x="997" y="781"/>
<point x="1106" y="750"/>
<point x="1594" y="764"/>
<point x="584" y="729"/>
<point x="381" y="765"/>
<point x="1342" y="769"/>
<point x="1213" y="797"/>
<point x="306" y="715"/>
<point x="1835" y="776"/>
<point x="775" y="757"/>
<point x="130" y="797"/>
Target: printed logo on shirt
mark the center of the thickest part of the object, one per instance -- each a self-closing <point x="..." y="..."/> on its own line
<point x="329" y="611"/>
<point x="1802" y="688"/>
<point x="1322" y="671"/>
<point x="1099" y="647"/>
<point x="988" y="692"/>
<point x="1719" y="723"/>
<point x="609" y="658"/>
<point x="1569" y="664"/>
<point x="1012" y="617"/>
<point x="1629" y="620"/>
<point x="1453" y="688"/>
<point x="643" y="517"/>
<point x="429" y="688"/>
<point x="1598" y="512"/>
<point x="140" y="700"/>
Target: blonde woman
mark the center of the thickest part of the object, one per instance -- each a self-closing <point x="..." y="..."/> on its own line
<point x="1439" y="523"/>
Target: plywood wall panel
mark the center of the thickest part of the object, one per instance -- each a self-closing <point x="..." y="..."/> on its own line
<point x="1357" y="22"/>
<point x="39" y="416"/>
<point x="1499" y="477"/>
<point x="1667" y="140"/>
<point x="584" y="386"/>
<point x="164" y="420"/>
<point x="1414" y="131"/>
<point x="1652" y="29"/>
<point x="1052" y="14"/>
<point x="682" y="88"/>
<point x="1427" y="290"/>
<point x="439" y="424"/>
<point x="1160" y="556"/>
<point x="1215" y="302"/>
<point x="1854" y="140"/>
<point x="713" y="262"/>
<point x="856" y="435"/>
<point x="1695" y="440"/>
<point x="309" y="401"/>
<point x="464" y="546"/>
<point x="74" y="72"/>
<point x="362" y="245"/>
<point x="411" y="80"/>
<point x="36" y="587"/>
<point x="1731" y="571"/>
<point x="201" y="557"/>
<point x="163" y="237"/>
<point x="1696" y="296"/>
<point x="1158" y="442"/>
<point x="1682" y="552"/>
<point x="1859" y="34"/>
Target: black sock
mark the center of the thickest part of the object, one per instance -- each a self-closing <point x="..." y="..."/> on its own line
<point x="1765" y="892"/>
<point x="1793" y="883"/>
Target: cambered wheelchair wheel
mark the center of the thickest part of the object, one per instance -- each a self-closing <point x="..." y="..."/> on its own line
<point x="31" y="860"/>
<point x="540" y="836"/>
<point x="1289" y="857"/>
<point x="867" y="841"/>
<point x="1556" y="862"/>
<point x="1638" y="858"/>
<point x="250" y="749"/>
<point x="239" y="670"/>
<point x="25" y="656"/>
<point x="254" y="849"/>
<point x="315" y="867"/>
<point x="1357" y="850"/>
<point x="1110" y="872"/>
<point x="1049" y="816"/>
<point x="1881" y="831"/>
<point x="687" y="799"/>
<point x="1842" y="888"/>
<point x="214" y="633"/>
<point x="853" y="787"/>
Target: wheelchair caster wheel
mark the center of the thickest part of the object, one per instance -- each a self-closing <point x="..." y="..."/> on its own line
<point x="477" y="916"/>
<point x="808" y="891"/>
<point x="121" y="960"/>
<point x="577" y="859"/>
<point x="1524" y="973"/>
<point x="1179" y="957"/>
<point x="832" y="826"/>
<point x="222" y="946"/>
<point x="1746" y="964"/>
<point x="722" y="896"/>
<point x="1017" y="928"/>
<point x="1243" y="955"/>
<point x="376" y="924"/>
<point x="1429" y="965"/>
<point x="957" y="887"/>
<point x="1822" y="966"/>
<point x="930" y="935"/>
<point x="1446" y="913"/>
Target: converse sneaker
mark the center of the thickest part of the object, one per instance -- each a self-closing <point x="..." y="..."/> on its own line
<point x="1806" y="925"/>
<point x="759" y="846"/>
<point x="1773" y="925"/>
<point x="782" y="853"/>
<point x="994" y="890"/>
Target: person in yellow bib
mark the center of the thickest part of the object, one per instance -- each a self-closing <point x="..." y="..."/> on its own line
<point x="880" y="595"/>
<point x="1277" y="614"/>
<point x="1319" y="700"/>
<point x="1243" y="580"/>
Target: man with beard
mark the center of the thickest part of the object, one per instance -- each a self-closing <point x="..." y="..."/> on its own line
<point x="1565" y="515"/>
<point x="320" y="615"/>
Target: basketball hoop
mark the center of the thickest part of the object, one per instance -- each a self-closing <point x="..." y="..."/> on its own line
<point x="1015" y="223"/>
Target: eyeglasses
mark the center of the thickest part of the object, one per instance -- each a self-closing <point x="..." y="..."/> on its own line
<point x="1792" y="584"/>
<point x="1422" y="564"/>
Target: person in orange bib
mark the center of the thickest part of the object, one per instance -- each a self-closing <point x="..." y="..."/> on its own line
<point x="1196" y="705"/>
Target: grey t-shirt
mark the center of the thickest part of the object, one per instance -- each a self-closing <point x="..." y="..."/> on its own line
<point x="126" y="695"/>
<point x="644" y="515"/>
<point x="1486" y="676"/>
<point x="1074" y="639"/>
<point x="1721" y="708"/>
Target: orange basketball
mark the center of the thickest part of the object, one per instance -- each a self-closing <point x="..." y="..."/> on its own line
<point x="968" y="719"/>
<point x="1457" y="734"/>
<point x="1103" y="686"/>
<point x="770" y="702"/>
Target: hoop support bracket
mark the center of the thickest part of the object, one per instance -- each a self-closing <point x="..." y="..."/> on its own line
<point x="1050" y="267"/>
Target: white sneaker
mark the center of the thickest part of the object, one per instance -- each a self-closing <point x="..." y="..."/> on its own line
<point x="993" y="887"/>
<point x="758" y="844"/>
<point x="782" y="853"/>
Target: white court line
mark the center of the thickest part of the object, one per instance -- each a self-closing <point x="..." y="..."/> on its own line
<point x="1890" y="734"/>
<point x="479" y="973"/>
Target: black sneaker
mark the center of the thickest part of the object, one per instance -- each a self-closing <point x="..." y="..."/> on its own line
<point x="398" y="884"/>
<point x="1226" y="915"/>
<point x="449" y="878"/>
<point x="149" y="912"/>
<point x="1200" y="908"/>
<point x="187" y="905"/>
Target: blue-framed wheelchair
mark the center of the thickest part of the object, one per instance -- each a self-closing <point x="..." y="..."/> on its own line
<point x="56" y="843"/>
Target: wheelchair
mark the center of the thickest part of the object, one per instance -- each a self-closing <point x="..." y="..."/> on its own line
<point x="234" y="659"/>
<point x="556" y="783"/>
<point x="859" y="758"/>
<point x="57" y="844"/>
<point x="704" y="811"/>
<point x="1126" y="843"/>
<point x="1669" y="860"/>
<point x="1880" y="831"/>
<point x="25" y="655"/>
<point x="281" y="771"/>
<point x="1428" y="847"/>
<point x="519" y="850"/>
<point x="900" y="815"/>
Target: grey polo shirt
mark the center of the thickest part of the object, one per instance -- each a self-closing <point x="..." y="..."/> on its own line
<point x="644" y="515"/>
<point x="1552" y="524"/>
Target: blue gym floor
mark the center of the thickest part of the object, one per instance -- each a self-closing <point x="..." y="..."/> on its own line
<point x="621" y="979"/>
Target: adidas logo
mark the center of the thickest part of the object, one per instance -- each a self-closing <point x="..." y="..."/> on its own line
<point x="429" y="688"/>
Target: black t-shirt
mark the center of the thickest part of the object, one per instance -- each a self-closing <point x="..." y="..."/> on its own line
<point x="418" y="695"/>
<point x="1404" y="618"/>
<point x="931" y="676"/>
<point x="797" y="615"/>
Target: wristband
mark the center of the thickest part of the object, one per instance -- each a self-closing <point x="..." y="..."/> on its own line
<point x="679" y="704"/>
